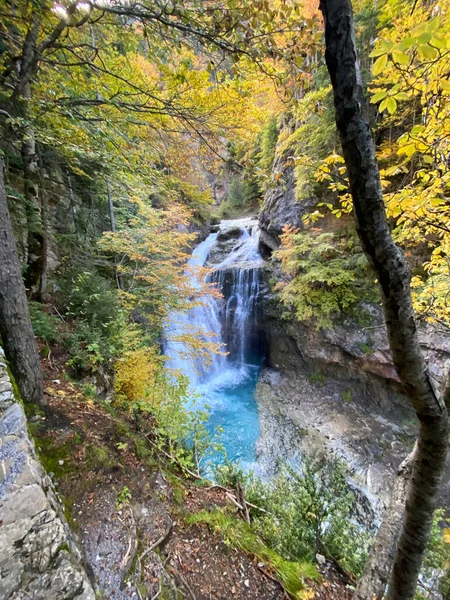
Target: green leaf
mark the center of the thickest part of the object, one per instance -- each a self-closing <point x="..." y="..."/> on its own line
<point x="401" y="96"/>
<point x="377" y="52"/>
<point x="378" y="96"/>
<point x="438" y="41"/>
<point x="380" y="64"/>
<point x="400" y="57"/>
<point x="424" y="38"/>
<point x="434" y="24"/>
<point x="391" y="105"/>
<point x="427" y="52"/>
<point x="407" y="43"/>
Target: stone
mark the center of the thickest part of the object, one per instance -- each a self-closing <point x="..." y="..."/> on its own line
<point x="38" y="555"/>
<point x="321" y="560"/>
<point x="281" y="207"/>
<point x="336" y="392"/>
<point x="229" y="233"/>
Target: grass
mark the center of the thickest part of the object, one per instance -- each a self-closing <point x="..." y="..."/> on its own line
<point x="240" y="535"/>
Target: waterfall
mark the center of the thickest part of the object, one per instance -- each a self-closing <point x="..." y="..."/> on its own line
<point x="202" y="321"/>
<point x="234" y="320"/>
<point x="228" y="382"/>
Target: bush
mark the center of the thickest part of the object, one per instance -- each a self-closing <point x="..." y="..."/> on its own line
<point x="45" y="326"/>
<point x="134" y="372"/>
<point x="305" y="512"/>
<point x="100" y="325"/>
<point x="436" y="566"/>
<point x="328" y="276"/>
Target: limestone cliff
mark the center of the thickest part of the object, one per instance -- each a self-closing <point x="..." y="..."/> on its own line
<point x="336" y="390"/>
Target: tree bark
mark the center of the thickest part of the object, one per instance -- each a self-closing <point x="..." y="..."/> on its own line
<point x="373" y="581"/>
<point x="111" y="205"/>
<point x="394" y="277"/>
<point x="16" y="330"/>
<point x="43" y="276"/>
<point x="31" y="180"/>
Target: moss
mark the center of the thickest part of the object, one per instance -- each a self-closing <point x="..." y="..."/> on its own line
<point x="65" y="548"/>
<point x="68" y="503"/>
<point x="54" y="459"/>
<point x="366" y="349"/>
<point x="347" y="395"/>
<point x="317" y="379"/>
<point x="98" y="457"/>
<point x="14" y="385"/>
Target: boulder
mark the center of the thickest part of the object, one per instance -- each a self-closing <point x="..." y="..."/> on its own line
<point x="231" y="233"/>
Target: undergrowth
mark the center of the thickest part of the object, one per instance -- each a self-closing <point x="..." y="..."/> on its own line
<point x="305" y="511"/>
<point x="239" y="534"/>
<point x="327" y="276"/>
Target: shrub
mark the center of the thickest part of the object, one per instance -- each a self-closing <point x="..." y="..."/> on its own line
<point x="436" y="566"/>
<point x="306" y="511"/>
<point x="100" y="325"/>
<point x="327" y="276"/>
<point x="134" y="372"/>
<point x="45" y="326"/>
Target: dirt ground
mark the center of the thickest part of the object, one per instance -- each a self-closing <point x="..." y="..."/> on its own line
<point x="128" y="512"/>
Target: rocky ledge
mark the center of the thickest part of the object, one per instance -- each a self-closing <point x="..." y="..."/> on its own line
<point x="337" y="391"/>
<point x="38" y="557"/>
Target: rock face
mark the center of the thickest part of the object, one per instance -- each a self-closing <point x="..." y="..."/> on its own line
<point x="337" y="391"/>
<point x="281" y="207"/>
<point x="38" y="557"/>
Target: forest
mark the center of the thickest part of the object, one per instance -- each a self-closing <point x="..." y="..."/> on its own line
<point x="224" y="299"/>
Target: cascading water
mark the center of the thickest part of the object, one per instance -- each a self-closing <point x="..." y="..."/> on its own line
<point x="227" y="385"/>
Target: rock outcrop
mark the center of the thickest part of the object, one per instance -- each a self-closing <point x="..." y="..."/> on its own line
<point x="281" y="207"/>
<point x="337" y="391"/>
<point x="38" y="557"/>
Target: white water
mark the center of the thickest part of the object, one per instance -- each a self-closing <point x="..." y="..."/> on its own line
<point x="227" y="384"/>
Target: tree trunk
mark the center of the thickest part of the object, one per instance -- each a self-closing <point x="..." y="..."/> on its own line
<point x="15" y="325"/>
<point x="31" y="182"/>
<point x="43" y="276"/>
<point x="111" y="206"/>
<point x="394" y="277"/>
<point x="374" y="579"/>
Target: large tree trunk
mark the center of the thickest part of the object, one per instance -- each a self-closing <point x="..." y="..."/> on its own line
<point x="15" y="326"/>
<point x="373" y="582"/>
<point x="394" y="277"/>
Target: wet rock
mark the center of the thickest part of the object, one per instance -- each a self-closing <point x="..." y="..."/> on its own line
<point x="38" y="556"/>
<point x="222" y="249"/>
<point x="321" y="560"/>
<point x="231" y="233"/>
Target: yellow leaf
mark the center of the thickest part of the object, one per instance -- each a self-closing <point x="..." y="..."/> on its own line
<point x="380" y="64"/>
